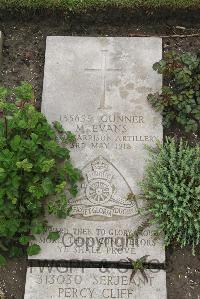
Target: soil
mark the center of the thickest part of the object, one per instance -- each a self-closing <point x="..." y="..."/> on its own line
<point x="23" y="60"/>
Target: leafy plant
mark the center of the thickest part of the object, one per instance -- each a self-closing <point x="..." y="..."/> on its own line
<point x="172" y="188"/>
<point x="34" y="165"/>
<point x="138" y="265"/>
<point x="179" y="101"/>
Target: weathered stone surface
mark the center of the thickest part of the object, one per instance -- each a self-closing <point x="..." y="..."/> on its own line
<point x="54" y="283"/>
<point x="97" y="88"/>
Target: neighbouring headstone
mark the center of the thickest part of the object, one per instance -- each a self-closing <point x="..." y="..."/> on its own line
<point x="94" y="283"/>
<point x="97" y="87"/>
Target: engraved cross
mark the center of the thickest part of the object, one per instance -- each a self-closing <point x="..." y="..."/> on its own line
<point x="104" y="69"/>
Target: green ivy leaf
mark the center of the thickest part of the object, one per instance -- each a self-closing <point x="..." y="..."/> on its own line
<point x="15" y="143"/>
<point x="47" y="185"/>
<point x="71" y="137"/>
<point x="15" y="252"/>
<point x="24" y="240"/>
<point x="2" y="174"/>
<point x="53" y="236"/>
<point x="24" y="91"/>
<point x="73" y="190"/>
<point x="38" y="229"/>
<point x="2" y="261"/>
<point x="33" y="249"/>
<point x="35" y="138"/>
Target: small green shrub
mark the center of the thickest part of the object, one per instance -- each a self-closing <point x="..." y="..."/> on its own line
<point x="138" y="265"/>
<point x="180" y="100"/>
<point x="34" y="165"/>
<point x="172" y="188"/>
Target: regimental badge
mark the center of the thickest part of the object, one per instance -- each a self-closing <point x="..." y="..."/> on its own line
<point x="99" y="188"/>
<point x="103" y="194"/>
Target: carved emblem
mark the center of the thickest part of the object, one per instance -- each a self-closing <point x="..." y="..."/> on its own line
<point x="99" y="189"/>
<point x="103" y="193"/>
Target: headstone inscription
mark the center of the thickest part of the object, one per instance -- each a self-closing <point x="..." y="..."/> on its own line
<point x="97" y="87"/>
<point x="96" y="283"/>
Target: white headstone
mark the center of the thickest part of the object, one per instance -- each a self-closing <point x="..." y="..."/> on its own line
<point x="54" y="283"/>
<point x="97" y="87"/>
